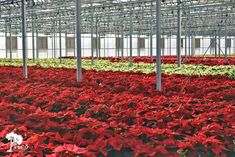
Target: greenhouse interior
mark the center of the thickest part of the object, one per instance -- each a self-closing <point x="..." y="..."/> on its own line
<point x="117" y="78"/>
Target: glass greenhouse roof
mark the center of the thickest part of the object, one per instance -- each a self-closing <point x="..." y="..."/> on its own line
<point x="112" y="16"/>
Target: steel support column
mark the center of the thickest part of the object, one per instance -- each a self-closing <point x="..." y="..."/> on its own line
<point x="6" y="40"/>
<point x="158" y="44"/>
<point x="104" y="46"/>
<point x="66" y="50"/>
<point x="24" y="39"/>
<point x="178" y="33"/>
<point x="122" y="40"/>
<point x="151" y="33"/>
<point x="33" y="43"/>
<point x="127" y="46"/>
<point x="97" y="38"/>
<point x="233" y="45"/>
<point x="83" y="45"/>
<point x="74" y="36"/>
<point x="118" y="50"/>
<point x="122" y="37"/>
<point x="131" y="31"/>
<point x="78" y="34"/>
<point x="210" y="46"/>
<point x="215" y="46"/>
<point x="108" y="36"/>
<point x="226" y="43"/>
<point x="92" y="40"/>
<point x="10" y="41"/>
<point x="151" y="43"/>
<point x="55" y="40"/>
<point x="37" y="47"/>
<point x="192" y="45"/>
<point x="138" y="38"/>
<point x="99" y="41"/>
<point x="148" y="54"/>
<point x="185" y="42"/>
<point x="170" y="43"/>
<point x="52" y="45"/>
<point x="189" y="45"/>
<point x="60" y="40"/>
<point x="219" y="45"/>
<point x="163" y="45"/>
<point x="115" y="36"/>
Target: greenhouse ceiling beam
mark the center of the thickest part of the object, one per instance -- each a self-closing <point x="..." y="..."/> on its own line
<point x="197" y="25"/>
<point x="55" y="12"/>
<point x="183" y="18"/>
<point x="127" y="5"/>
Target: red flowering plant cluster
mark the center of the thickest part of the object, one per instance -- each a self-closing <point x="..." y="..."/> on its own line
<point x="210" y="61"/>
<point x="116" y="114"/>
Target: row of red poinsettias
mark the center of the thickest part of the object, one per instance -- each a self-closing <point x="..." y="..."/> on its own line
<point x="116" y="114"/>
<point x="210" y="61"/>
